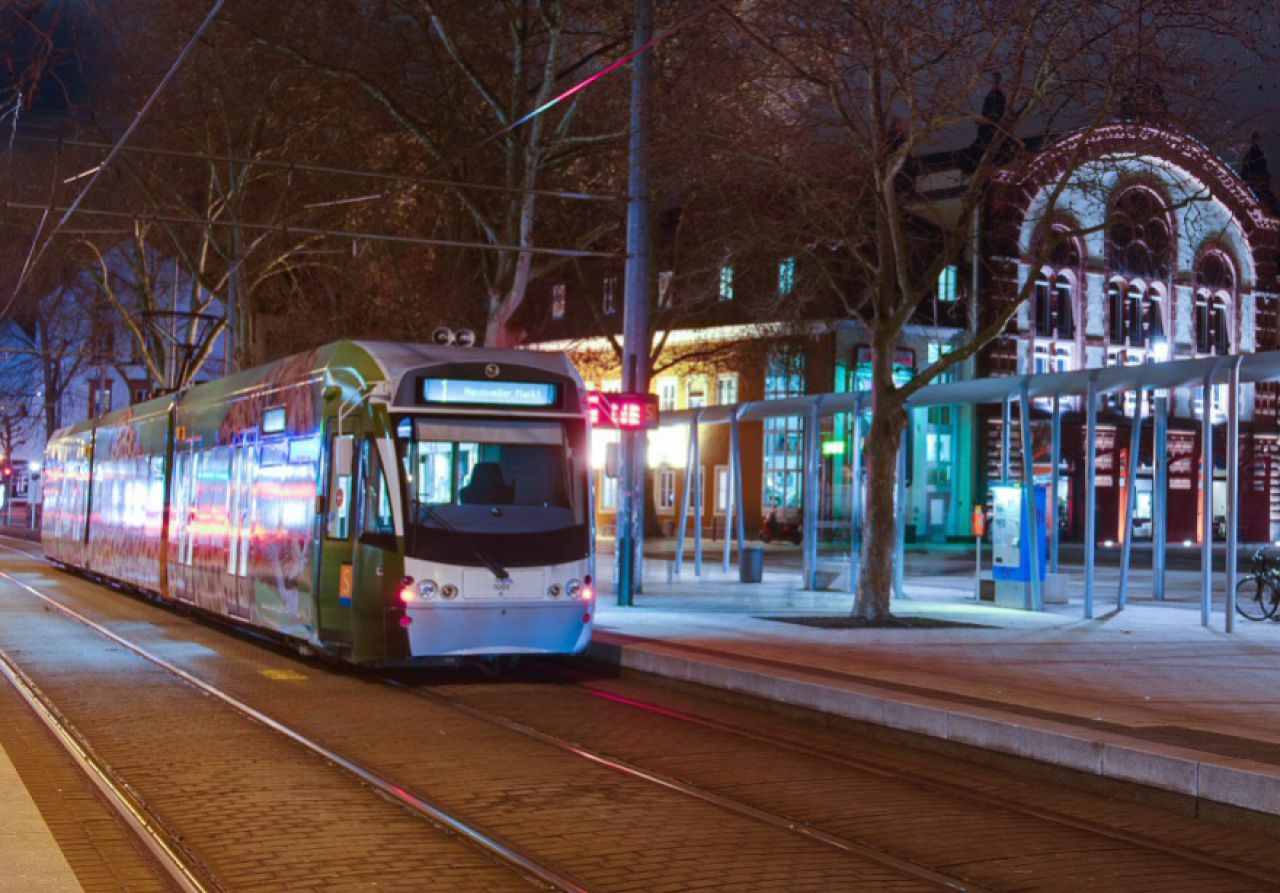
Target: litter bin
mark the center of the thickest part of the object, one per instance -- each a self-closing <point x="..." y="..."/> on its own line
<point x="751" y="565"/>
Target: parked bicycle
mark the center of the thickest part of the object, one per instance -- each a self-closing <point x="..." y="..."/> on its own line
<point x="1258" y="594"/>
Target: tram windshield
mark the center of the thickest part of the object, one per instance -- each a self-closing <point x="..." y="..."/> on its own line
<point x="509" y="490"/>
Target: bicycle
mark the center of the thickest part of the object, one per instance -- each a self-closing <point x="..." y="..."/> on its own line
<point x="1258" y="594"/>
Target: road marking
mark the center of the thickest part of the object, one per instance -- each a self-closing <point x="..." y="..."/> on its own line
<point x="284" y="675"/>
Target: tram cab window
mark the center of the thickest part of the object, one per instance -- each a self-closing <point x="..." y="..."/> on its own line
<point x="341" y="454"/>
<point x="513" y="474"/>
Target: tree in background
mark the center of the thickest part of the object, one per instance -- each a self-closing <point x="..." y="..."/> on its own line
<point x="857" y="92"/>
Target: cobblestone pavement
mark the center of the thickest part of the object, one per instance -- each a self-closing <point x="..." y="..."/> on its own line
<point x="99" y="849"/>
<point x="274" y="816"/>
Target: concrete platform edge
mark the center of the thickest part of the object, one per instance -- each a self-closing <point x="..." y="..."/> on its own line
<point x="1220" y="779"/>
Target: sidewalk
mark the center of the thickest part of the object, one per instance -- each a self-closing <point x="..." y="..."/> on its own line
<point x="32" y="859"/>
<point x="1144" y="695"/>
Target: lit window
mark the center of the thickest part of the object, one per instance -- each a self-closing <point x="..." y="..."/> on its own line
<point x="727" y="389"/>
<point x="666" y="493"/>
<point x="608" y="492"/>
<point x="947" y="281"/>
<point x="726" y="283"/>
<point x="557" y="302"/>
<point x="696" y="393"/>
<point x="610" y="296"/>
<point x="787" y="276"/>
<point x="667" y="390"/>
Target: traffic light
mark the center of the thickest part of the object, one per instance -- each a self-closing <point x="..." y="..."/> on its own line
<point x="6" y="471"/>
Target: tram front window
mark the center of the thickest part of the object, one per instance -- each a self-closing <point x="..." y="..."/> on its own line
<point x="512" y="488"/>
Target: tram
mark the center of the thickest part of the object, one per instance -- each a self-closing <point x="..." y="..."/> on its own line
<point x="382" y="503"/>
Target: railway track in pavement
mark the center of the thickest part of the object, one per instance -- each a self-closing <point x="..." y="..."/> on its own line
<point x="834" y="809"/>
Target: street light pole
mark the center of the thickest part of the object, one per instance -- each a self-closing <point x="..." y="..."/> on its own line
<point x="635" y="332"/>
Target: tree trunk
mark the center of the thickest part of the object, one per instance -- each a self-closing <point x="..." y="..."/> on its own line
<point x="879" y="528"/>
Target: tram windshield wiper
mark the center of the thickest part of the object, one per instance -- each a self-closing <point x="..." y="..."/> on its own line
<point x="499" y="572"/>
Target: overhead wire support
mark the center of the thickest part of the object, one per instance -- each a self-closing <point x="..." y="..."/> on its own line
<point x="326" y="169"/>
<point x="290" y="229"/>
<point x="34" y="256"/>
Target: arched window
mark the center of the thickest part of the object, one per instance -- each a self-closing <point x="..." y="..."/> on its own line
<point x="1139" y="236"/>
<point x="1054" y="296"/>
<point x="1215" y="298"/>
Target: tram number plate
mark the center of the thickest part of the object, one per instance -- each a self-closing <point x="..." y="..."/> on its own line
<point x="344" y="584"/>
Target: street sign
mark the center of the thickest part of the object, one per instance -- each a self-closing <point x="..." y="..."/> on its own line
<point x="629" y="412"/>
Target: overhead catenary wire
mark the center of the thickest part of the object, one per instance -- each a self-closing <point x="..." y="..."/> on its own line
<point x="289" y="229"/>
<point x="34" y="256"/>
<point x="324" y="169"/>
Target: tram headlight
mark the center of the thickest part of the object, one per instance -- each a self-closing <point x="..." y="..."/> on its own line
<point x="448" y="591"/>
<point x="554" y="590"/>
<point x="572" y="588"/>
<point x="428" y="588"/>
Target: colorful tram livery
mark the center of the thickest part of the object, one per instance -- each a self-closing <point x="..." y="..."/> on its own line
<point x="384" y="503"/>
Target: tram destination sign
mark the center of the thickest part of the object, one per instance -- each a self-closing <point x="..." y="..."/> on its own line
<point x="477" y="392"/>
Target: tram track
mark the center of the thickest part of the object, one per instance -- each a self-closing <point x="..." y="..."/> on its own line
<point x="931" y="785"/>
<point x="149" y="827"/>
<point x="782" y="822"/>
<point x="526" y="865"/>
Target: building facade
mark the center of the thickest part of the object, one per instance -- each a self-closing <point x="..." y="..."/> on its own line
<point x="1153" y="249"/>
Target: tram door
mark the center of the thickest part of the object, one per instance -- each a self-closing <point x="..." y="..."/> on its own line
<point x="242" y="511"/>
<point x="336" y="577"/>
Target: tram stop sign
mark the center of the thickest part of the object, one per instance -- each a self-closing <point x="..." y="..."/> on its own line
<point x="628" y="412"/>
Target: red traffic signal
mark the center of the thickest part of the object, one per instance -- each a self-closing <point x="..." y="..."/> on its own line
<point x="629" y="412"/>
<point x="6" y="470"/>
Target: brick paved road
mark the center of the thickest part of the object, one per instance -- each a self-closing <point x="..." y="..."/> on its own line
<point x="611" y="831"/>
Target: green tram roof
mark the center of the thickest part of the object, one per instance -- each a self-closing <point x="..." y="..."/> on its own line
<point x="349" y="362"/>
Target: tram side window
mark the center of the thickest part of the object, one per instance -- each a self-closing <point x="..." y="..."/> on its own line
<point x="341" y="456"/>
<point x="377" y="497"/>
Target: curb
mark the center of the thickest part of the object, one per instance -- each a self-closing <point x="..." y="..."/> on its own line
<point x="1235" y="782"/>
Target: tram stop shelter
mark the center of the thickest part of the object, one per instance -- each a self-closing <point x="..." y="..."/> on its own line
<point x="1087" y="386"/>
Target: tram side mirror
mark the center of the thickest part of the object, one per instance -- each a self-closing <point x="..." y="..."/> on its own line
<point x="343" y="451"/>
<point x="611" y="460"/>
<point x="322" y="505"/>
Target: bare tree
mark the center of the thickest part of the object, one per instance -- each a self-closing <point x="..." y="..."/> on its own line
<point x="858" y="91"/>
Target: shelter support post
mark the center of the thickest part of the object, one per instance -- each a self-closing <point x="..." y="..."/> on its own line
<point x="731" y="501"/>
<point x="1206" y="502"/>
<point x="1034" y="593"/>
<point x="855" y="498"/>
<point x="1233" y="488"/>
<point x="1090" y="495"/>
<point x="685" y="495"/>
<point x="900" y="516"/>
<point x="1055" y="458"/>
<point x="699" y="494"/>
<point x="809" y="523"/>
<point x="1131" y="491"/>
<point x="1006" y="422"/>
<point x="1159" y="496"/>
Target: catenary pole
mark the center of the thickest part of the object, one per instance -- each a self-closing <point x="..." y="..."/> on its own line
<point x="635" y="351"/>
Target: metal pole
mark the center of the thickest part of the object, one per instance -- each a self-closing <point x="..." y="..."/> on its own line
<point x="737" y="484"/>
<point x="1006" y="423"/>
<point x="1034" y="592"/>
<point x="684" y="497"/>
<point x="809" y="531"/>
<point x="855" y="490"/>
<point x="1206" y="502"/>
<point x="1055" y="457"/>
<point x="900" y="523"/>
<point x="1090" y="495"/>
<point x="1160" y="497"/>
<point x="635" y="355"/>
<point x="1233" y="487"/>
<point x="698" y="496"/>
<point x="729" y="501"/>
<point x="1131" y="491"/>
